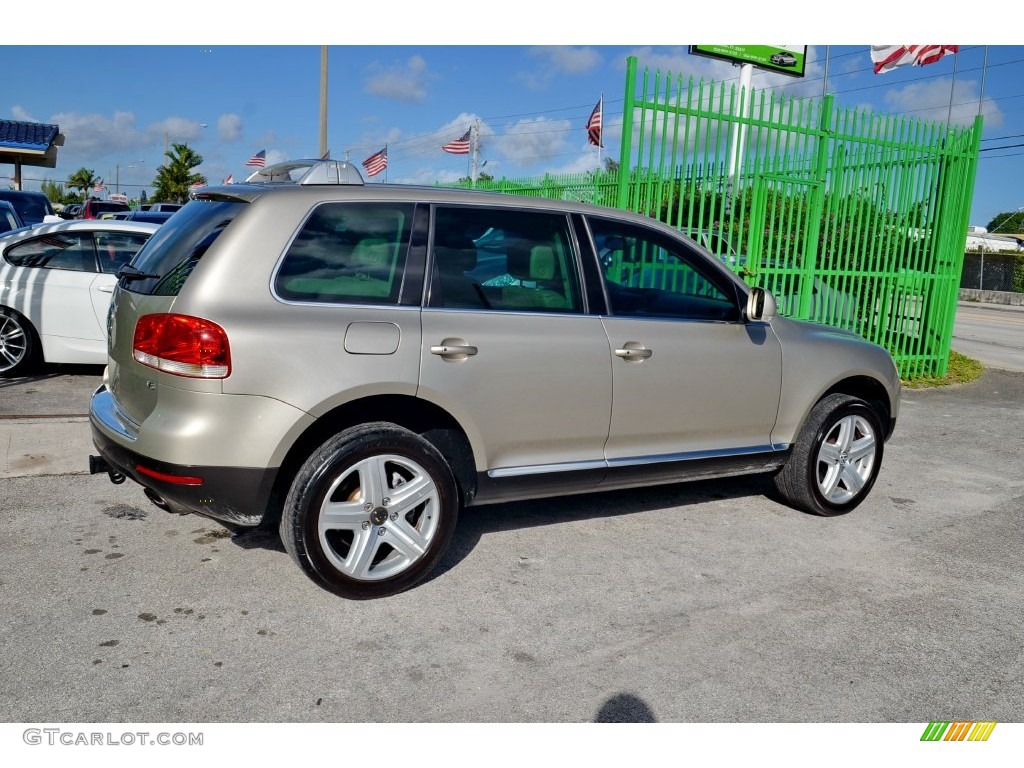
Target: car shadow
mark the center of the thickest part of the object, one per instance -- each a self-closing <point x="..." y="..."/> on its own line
<point x="476" y="522"/>
<point x="48" y="371"/>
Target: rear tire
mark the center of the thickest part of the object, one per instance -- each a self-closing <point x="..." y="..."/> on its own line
<point x="19" y="345"/>
<point x="836" y="457"/>
<point x="371" y="512"/>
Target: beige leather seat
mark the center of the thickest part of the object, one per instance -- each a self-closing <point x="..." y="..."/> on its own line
<point x="537" y="271"/>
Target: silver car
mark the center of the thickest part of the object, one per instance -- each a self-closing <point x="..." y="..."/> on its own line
<point x="357" y="364"/>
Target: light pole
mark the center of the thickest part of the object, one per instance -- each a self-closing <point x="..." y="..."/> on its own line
<point x="167" y="139"/>
<point x="117" y="177"/>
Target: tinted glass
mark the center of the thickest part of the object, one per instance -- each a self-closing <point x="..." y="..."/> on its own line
<point x="503" y="259"/>
<point x="350" y="253"/>
<point x="60" y="250"/>
<point x="31" y="206"/>
<point x="115" y="249"/>
<point x="173" y="251"/>
<point x="648" y="274"/>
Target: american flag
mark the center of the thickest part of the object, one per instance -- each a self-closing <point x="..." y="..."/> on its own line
<point x="376" y="162"/>
<point x="594" y="124"/>
<point x="460" y="146"/>
<point x="259" y="160"/>
<point x="230" y="179"/>
<point x="888" y="57"/>
<point x="98" y="186"/>
<point x="198" y="184"/>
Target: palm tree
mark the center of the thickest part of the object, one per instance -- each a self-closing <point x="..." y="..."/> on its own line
<point x="175" y="179"/>
<point x="84" y="179"/>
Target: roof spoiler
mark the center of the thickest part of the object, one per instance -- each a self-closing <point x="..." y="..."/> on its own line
<point x="315" y="172"/>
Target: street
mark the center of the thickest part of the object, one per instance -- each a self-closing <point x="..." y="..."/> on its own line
<point x="991" y="333"/>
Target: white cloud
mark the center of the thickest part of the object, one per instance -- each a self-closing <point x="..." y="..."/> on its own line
<point x="930" y="101"/>
<point x="533" y="139"/>
<point x="401" y="82"/>
<point x="558" y="60"/>
<point x="19" y="114"/>
<point x="229" y="127"/>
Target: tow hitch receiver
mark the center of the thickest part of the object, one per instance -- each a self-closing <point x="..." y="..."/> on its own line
<point x="98" y="465"/>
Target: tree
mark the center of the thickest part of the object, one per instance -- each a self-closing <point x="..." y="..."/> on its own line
<point x="611" y="165"/>
<point x="83" y="179"/>
<point x="175" y="179"/>
<point x="1006" y="223"/>
<point x="53" y="190"/>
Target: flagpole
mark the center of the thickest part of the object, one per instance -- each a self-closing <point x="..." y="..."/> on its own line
<point x="475" y="142"/>
<point x="388" y="159"/>
<point x="602" y="133"/>
<point x="952" y="87"/>
<point x="824" y="87"/>
<point x="984" y="71"/>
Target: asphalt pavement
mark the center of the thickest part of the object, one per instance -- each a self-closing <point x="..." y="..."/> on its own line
<point x="707" y="602"/>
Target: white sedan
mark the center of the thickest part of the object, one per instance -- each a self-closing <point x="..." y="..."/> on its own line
<point x="56" y="281"/>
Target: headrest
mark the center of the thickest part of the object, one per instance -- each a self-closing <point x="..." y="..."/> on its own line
<point x="455" y="254"/>
<point x="537" y="263"/>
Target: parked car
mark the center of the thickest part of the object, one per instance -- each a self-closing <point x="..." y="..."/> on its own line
<point x="9" y="218"/>
<point x="93" y="209"/>
<point x="355" y="364"/>
<point x="70" y="211"/>
<point x="56" y="281"/>
<point x="32" y="207"/>
<point x="155" y="217"/>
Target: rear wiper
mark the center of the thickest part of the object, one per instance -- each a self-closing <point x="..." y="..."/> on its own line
<point x="129" y="273"/>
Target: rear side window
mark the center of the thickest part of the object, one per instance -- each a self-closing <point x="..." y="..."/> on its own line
<point x="60" y="250"/>
<point x="173" y="251"/>
<point x="348" y="253"/>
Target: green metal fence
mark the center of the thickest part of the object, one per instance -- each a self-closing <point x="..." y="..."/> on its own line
<point x="849" y="217"/>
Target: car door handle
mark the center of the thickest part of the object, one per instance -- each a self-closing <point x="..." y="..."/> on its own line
<point x="106" y="289"/>
<point x="633" y="354"/>
<point x="454" y="351"/>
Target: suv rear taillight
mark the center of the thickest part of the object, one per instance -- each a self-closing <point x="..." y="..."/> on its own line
<point x="182" y="345"/>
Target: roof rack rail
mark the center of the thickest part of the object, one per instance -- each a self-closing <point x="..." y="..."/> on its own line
<point x="316" y="172"/>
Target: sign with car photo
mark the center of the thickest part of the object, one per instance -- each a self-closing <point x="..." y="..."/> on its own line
<point x="787" y="59"/>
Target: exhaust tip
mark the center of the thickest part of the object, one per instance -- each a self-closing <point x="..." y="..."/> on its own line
<point x="154" y="497"/>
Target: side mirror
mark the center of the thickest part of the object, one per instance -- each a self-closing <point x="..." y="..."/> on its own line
<point x="761" y="305"/>
<point x="52" y="219"/>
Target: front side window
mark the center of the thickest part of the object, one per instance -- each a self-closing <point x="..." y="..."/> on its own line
<point x="648" y="274"/>
<point x="348" y="253"/>
<point x="503" y="259"/>
<point x="60" y="250"/>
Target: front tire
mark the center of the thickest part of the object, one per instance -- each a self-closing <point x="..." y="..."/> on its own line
<point x="836" y="458"/>
<point x="371" y="512"/>
<point x="19" y="348"/>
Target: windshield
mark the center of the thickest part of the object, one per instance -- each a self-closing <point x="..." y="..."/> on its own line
<point x="173" y="251"/>
<point x="31" y="207"/>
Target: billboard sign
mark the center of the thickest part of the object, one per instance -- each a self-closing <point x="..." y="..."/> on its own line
<point x="787" y="59"/>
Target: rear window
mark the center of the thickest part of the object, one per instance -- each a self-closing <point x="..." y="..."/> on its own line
<point x="174" y="250"/>
<point x="104" y="207"/>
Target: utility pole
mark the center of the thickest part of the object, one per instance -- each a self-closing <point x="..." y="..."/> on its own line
<point x="323" y="100"/>
<point x="476" y="151"/>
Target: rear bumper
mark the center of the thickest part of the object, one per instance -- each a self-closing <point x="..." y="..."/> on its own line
<point x="239" y="496"/>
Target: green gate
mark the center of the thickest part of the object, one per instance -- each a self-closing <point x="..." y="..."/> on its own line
<point x="849" y="217"/>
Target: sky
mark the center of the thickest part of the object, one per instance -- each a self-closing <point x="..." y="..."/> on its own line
<point x="418" y="85"/>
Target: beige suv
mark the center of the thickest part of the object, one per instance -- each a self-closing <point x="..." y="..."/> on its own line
<point x="356" y="364"/>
